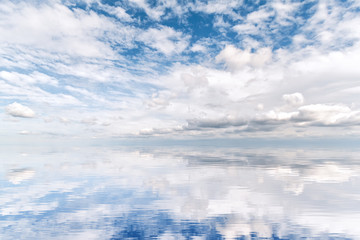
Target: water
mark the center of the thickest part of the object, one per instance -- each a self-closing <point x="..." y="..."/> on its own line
<point x="179" y="193"/>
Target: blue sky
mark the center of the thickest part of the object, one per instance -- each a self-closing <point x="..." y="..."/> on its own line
<point x="200" y="69"/>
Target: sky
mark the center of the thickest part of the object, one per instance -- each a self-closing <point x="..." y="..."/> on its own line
<point x="179" y="69"/>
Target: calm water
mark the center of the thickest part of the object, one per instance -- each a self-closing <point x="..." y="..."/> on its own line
<point x="179" y="193"/>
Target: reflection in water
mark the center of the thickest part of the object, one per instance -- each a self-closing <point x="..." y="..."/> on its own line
<point x="16" y="176"/>
<point x="179" y="193"/>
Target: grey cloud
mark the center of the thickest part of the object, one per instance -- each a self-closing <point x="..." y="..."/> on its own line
<point x="327" y="115"/>
<point x="313" y="114"/>
<point x="293" y="99"/>
<point x="214" y="123"/>
<point x="309" y="115"/>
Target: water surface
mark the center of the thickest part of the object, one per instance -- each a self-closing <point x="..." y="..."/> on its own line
<point x="179" y="193"/>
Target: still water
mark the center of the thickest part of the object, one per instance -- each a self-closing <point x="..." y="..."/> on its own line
<point x="179" y="193"/>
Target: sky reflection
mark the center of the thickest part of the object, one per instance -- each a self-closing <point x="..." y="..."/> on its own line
<point x="179" y="193"/>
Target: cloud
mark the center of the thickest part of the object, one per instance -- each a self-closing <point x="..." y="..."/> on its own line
<point x="327" y="115"/>
<point x="214" y="123"/>
<point x="147" y="63"/>
<point x="17" y="110"/>
<point x="246" y="28"/>
<point x="216" y="7"/>
<point x="35" y="94"/>
<point x="165" y="40"/>
<point x="258" y="16"/>
<point x="315" y="115"/>
<point x="277" y="116"/>
<point x="76" y="33"/>
<point x="235" y="59"/>
<point x="154" y="13"/>
<point x="198" y="48"/>
<point x="160" y="99"/>
<point x="119" y="12"/>
<point x="293" y="99"/>
<point x="33" y="78"/>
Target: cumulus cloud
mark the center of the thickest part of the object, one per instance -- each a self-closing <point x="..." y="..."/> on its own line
<point x="326" y="114"/>
<point x="17" y="110"/>
<point x="274" y="115"/>
<point x="236" y="59"/>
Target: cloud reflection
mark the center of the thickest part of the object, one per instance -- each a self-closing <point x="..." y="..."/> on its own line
<point x="182" y="193"/>
<point x="16" y="176"/>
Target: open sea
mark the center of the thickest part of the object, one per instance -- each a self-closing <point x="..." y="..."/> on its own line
<point x="179" y="192"/>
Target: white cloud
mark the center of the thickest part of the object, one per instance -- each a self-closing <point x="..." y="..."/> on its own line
<point x="217" y="7"/>
<point x="17" y="110"/>
<point x="85" y="93"/>
<point x="314" y="114"/>
<point x="77" y="34"/>
<point x="285" y="11"/>
<point x="119" y="12"/>
<point x="36" y="94"/>
<point x="154" y="13"/>
<point x="278" y="115"/>
<point x="259" y="106"/>
<point x="326" y="114"/>
<point x="95" y="81"/>
<point x="165" y="39"/>
<point x="258" y="16"/>
<point x="235" y="59"/>
<point x="198" y="48"/>
<point x="28" y="79"/>
<point x="246" y="28"/>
